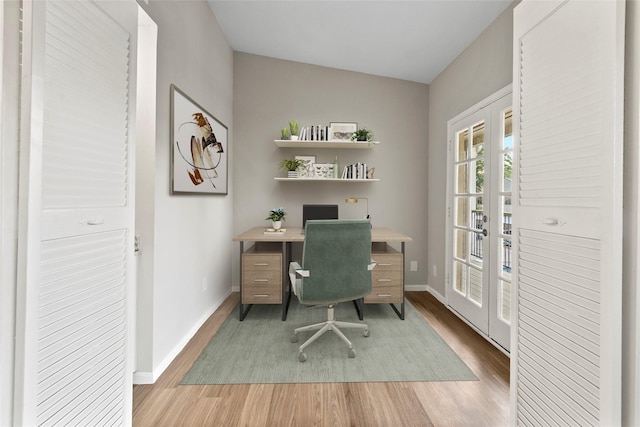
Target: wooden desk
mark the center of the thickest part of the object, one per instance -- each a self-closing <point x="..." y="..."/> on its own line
<point x="271" y="249"/>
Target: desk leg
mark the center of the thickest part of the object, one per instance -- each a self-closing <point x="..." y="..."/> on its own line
<point x="286" y="286"/>
<point x="241" y="311"/>
<point x="400" y="312"/>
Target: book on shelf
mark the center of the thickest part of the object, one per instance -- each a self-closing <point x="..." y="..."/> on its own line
<point x="355" y="171"/>
<point x="314" y="133"/>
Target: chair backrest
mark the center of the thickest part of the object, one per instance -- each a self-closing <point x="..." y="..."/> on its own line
<point x="337" y="254"/>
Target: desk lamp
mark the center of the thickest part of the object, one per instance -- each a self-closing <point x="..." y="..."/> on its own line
<point x="355" y="200"/>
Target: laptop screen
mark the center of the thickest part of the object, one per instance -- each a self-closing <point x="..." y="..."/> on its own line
<point x="318" y="212"/>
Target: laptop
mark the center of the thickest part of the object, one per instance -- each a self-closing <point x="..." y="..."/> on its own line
<point x="318" y="212"/>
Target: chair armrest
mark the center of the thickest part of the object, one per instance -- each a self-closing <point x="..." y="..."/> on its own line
<point x="372" y="265"/>
<point x="295" y="272"/>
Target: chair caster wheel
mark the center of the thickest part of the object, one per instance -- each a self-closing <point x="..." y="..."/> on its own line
<point x="302" y="357"/>
<point x="352" y="353"/>
<point x="366" y="333"/>
<point x="294" y="338"/>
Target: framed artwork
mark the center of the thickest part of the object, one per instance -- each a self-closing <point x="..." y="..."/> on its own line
<point x="307" y="171"/>
<point x="199" y="158"/>
<point x="341" y="131"/>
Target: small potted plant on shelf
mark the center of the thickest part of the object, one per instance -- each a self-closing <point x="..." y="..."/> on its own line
<point x="285" y="133"/>
<point x="276" y="216"/>
<point x="291" y="166"/>
<point x="293" y="126"/>
<point x="362" y="135"/>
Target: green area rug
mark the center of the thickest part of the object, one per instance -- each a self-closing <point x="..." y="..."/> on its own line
<point x="258" y="350"/>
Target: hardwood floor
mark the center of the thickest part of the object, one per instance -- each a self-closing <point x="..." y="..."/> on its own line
<point x="454" y="403"/>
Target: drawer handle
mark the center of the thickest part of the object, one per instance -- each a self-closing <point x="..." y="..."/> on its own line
<point x="261" y="264"/>
<point x="384" y="280"/>
<point x="260" y="280"/>
<point x="261" y="295"/>
<point x="384" y="295"/>
<point x="386" y="264"/>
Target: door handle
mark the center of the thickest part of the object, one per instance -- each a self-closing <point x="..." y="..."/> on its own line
<point x="485" y="232"/>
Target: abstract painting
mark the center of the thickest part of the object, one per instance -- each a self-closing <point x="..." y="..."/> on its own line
<point x="199" y="148"/>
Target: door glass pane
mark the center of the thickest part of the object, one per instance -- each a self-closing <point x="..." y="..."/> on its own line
<point x="504" y="301"/>
<point x="475" y="285"/>
<point x="506" y="215"/>
<point x="462" y="186"/>
<point x="462" y="209"/>
<point x="460" y="277"/>
<point x="462" y="145"/>
<point x="505" y="256"/>
<point x="477" y="170"/>
<point x="507" y="169"/>
<point x="507" y="142"/>
<point x="477" y="147"/>
<point x="476" y="249"/>
<point x="461" y="244"/>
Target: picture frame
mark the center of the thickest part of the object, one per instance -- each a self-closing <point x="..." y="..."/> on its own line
<point x="307" y="171"/>
<point x="342" y="131"/>
<point x="199" y="148"/>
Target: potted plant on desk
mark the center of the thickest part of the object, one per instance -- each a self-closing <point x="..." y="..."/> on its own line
<point x="276" y="216"/>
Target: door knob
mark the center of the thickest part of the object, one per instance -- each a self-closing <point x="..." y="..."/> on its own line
<point x="485" y="232"/>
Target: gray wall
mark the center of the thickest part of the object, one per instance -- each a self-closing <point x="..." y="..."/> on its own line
<point x="482" y="69"/>
<point x="186" y="241"/>
<point x="269" y="92"/>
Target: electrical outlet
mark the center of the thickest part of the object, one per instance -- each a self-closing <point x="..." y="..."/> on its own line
<point x="414" y="265"/>
<point x="435" y="270"/>
<point x="204" y="284"/>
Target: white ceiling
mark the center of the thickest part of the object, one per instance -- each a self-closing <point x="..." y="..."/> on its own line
<point x="409" y="40"/>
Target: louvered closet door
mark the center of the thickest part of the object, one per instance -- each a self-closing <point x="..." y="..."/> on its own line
<point x="568" y="81"/>
<point x="78" y="245"/>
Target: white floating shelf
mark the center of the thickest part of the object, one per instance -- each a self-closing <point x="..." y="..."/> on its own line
<point x="325" y="144"/>
<point x="326" y="179"/>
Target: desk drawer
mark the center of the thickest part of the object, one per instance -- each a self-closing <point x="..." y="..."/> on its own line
<point x="261" y="278"/>
<point x="386" y="262"/>
<point x="386" y="278"/>
<point x="261" y="262"/>
<point x="261" y="295"/>
<point x="384" y="294"/>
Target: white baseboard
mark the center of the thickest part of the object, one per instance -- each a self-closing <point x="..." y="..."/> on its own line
<point x="141" y="377"/>
<point x="412" y="288"/>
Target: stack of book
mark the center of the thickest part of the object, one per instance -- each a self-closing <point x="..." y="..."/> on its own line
<point x="355" y="171"/>
<point x="314" y="133"/>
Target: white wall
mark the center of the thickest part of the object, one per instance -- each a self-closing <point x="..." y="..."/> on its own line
<point x="482" y="69"/>
<point x="187" y="238"/>
<point x="9" y="77"/>
<point x="269" y="92"/>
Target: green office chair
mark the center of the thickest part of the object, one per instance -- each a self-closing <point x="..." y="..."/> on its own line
<point x="336" y="267"/>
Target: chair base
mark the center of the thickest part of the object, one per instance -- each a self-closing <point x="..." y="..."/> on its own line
<point x="329" y="325"/>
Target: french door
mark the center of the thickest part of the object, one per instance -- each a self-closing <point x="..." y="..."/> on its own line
<point x="479" y="216"/>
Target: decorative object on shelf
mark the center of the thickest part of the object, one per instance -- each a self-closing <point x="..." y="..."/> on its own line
<point x="370" y="173"/>
<point x="355" y="200"/>
<point x="199" y="163"/>
<point x="291" y="166"/>
<point x="293" y="126"/>
<point x="306" y="170"/>
<point x="285" y="133"/>
<point x="276" y="216"/>
<point x="362" y="135"/>
<point x="340" y="131"/>
<point x="324" y="170"/>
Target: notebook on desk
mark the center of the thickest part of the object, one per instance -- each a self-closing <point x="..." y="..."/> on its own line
<point x="318" y="212"/>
